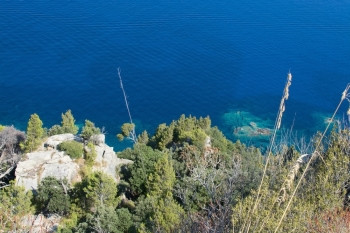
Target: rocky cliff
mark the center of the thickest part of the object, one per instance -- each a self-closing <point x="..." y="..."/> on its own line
<point x="49" y="161"/>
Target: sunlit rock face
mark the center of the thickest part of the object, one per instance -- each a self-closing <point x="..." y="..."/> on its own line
<point x="49" y="161"/>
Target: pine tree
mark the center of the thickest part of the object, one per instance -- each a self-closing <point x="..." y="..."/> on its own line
<point x="35" y="133"/>
<point x="53" y="196"/>
<point x="68" y="121"/>
<point x="14" y="204"/>
<point x="165" y="214"/>
<point x="89" y="129"/>
<point x="100" y="190"/>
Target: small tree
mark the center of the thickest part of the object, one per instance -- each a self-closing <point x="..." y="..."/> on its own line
<point x="53" y="196"/>
<point x="107" y="219"/>
<point x="10" y="140"/>
<point x="89" y="129"/>
<point x="127" y="131"/>
<point x="99" y="189"/>
<point x="14" y="204"/>
<point x="35" y="133"/>
<point x="163" y="212"/>
<point x="54" y="130"/>
<point x="68" y="123"/>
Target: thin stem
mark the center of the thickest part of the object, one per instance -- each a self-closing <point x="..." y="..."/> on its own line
<point x="272" y="141"/>
<point x="344" y="96"/>
<point x="122" y="87"/>
<point x="132" y="133"/>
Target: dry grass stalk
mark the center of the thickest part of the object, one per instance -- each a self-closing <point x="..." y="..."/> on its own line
<point x="272" y="141"/>
<point x="345" y="95"/>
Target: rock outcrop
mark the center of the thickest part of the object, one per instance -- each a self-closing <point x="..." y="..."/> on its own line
<point x="54" y="140"/>
<point x="40" y="164"/>
<point x="48" y="161"/>
<point x="40" y="223"/>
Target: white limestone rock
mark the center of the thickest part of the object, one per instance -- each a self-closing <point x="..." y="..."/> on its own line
<point x="48" y="161"/>
<point x="98" y="139"/>
<point x="53" y="141"/>
<point x="41" y="164"/>
<point x="107" y="161"/>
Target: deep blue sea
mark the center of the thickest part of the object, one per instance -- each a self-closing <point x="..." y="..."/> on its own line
<point x="227" y="59"/>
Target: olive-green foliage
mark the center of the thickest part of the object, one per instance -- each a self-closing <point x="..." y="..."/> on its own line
<point x="73" y="148"/>
<point x="90" y="154"/>
<point x="126" y="130"/>
<point x="164" y="213"/>
<point x="54" y="130"/>
<point x="98" y="189"/>
<point x="68" y="123"/>
<point x="163" y="137"/>
<point x="144" y="159"/>
<point x="52" y="196"/>
<point x="330" y="173"/>
<point x="68" y="223"/>
<point x="15" y="203"/>
<point x="2" y="127"/>
<point x="186" y="129"/>
<point x="106" y="219"/>
<point x="35" y="133"/>
<point x="89" y="129"/>
<point x="322" y="189"/>
<point x="143" y="137"/>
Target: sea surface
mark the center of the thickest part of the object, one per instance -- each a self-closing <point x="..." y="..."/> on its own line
<point x="228" y="59"/>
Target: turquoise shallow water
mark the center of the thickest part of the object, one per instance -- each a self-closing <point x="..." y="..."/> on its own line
<point x="193" y="57"/>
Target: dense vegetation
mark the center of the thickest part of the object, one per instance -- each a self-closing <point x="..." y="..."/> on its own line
<point x="186" y="177"/>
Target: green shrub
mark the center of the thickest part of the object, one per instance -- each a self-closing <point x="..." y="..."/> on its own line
<point x="72" y="148"/>
<point x="90" y="154"/>
<point x="52" y="196"/>
<point x="54" y="130"/>
<point x="89" y="129"/>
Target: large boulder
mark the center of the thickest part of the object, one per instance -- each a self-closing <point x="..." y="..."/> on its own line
<point x="41" y="164"/>
<point x="98" y="139"/>
<point x="107" y="161"/>
<point x="53" y="141"/>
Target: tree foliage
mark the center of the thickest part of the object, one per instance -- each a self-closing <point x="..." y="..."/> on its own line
<point x="127" y="130"/>
<point x="323" y="189"/>
<point x="99" y="189"/>
<point x="89" y="129"/>
<point x="52" y="196"/>
<point x="144" y="159"/>
<point x="163" y="213"/>
<point x="90" y="154"/>
<point x="15" y="203"/>
<point x="35" y="133"/>
<point x="10" y="150"/>
<point x="73" y="148"/>
<point x="68" y="123"/>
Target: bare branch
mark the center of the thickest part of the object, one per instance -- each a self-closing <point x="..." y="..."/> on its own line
<point x="132" y="135"/>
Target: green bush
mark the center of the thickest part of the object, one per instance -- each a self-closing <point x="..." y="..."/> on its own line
<point x="72" y="148"/>
<point x="52" y="196"/>
<point x="54" y="130"/>
<point x="89" y="129"/>
<point x="90" y="154"/>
